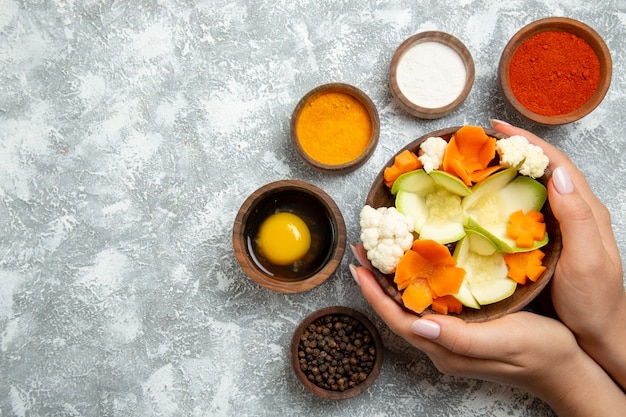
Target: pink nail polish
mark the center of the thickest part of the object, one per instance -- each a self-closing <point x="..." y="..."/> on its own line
<point x="495" y="122"/>
<point x="355" y="274"/>
<point x="355" y="252"/>
<point x="426" y="328"/>
<point x="562" y="181"/>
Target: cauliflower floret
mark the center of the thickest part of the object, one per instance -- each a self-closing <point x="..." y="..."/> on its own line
<point x="386" y="234"/>
<point x="432" y="149"/>
<point x="517" y="152"/>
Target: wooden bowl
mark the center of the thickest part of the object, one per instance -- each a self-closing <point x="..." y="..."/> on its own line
<point x="343" y="167"/>
<point x="380" y="196"/>
<point x="297" y="346"/>
<point x="556" y="24"/>
<point x="319" y="212"/>
<point x="415" y="109"/>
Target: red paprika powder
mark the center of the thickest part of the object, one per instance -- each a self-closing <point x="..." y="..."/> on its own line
<point x="554" y="73"/>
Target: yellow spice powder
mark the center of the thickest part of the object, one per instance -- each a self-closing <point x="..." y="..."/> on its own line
<point x="334" y="128"/>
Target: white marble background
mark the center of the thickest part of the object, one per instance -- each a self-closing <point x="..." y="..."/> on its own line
<point x="130" y="134"/>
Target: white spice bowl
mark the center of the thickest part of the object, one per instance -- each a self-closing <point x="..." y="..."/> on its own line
<point x="422" y="110"/>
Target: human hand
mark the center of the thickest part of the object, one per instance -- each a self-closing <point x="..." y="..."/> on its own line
<point x="537" y="354"/>
<point x="587" y="287"/>
<point x="475" y="350"/>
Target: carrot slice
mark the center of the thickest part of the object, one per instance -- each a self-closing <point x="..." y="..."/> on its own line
<point x="525" y="229"/>
<point x="525" y="265"/>
<point x="470" y="149"/>
<point x="483" y="174"/>
<point x="418" y="296"/>
<point x="404" y="162"/>
<point x="391" y="174"/>
<point x="427" y="263"/>
<point x="412" y="266"/>
<point x="407" y="161"/>
<point x="446" y="280"/>
<point x="435" y="252"/>
<point x="447" y="304"/>
<point x="478" y="148"/>
<point x="452" y="161"/>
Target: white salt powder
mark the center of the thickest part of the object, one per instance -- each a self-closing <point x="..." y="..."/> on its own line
<point x="431" y="74"/>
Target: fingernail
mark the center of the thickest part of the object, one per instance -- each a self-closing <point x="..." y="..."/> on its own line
<point x="426" y="328"/>
<point x="360" y="255"/>
<point x="355" y="274"/>
<point x="562" y="181"/>
<point x="495" y="122"/>
<point x="355" y="252"/>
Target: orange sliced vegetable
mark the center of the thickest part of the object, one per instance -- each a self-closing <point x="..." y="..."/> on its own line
<point x="470" y="149"/>
<point x="427" y="264"/>
<point x="446" y="280"/>
<point x="404" y="162"/>
<point x="483" y="174"/>
<point x="452" y="163"/>
<point x="525" y="229"/>
<point x="412" y="266"/>
<point x="447" y="304"/>
<point x="418" y="296"/>
<point x="435" y="252"/>
<point x="390" y="175"/>
<point x="523" y="265"/>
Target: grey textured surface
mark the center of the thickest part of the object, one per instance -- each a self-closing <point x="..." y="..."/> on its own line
<point x="130" y="134"/>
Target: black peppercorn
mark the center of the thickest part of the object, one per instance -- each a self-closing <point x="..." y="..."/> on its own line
<point x="336" y="352"/>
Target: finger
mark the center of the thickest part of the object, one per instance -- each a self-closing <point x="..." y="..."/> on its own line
<point x="479" y="350"/>
<point x="452" y="333"/>
<point x="449" y="332"/>
<point x="477" y="340"/>
<point x="559" y="159"/>
<point x="556" y="157"/>
<point x="398" y="320"/>
<point x="460" y="349"/>
<point x="579" y="228"/>
<point x="360" y="254"/>
<point x="586" y="233"/>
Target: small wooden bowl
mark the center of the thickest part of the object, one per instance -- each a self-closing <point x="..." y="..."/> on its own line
<point x="376" y="342"/>
<point x="380" y="196"/>
<point x="317" y="209"/>
<point x="415" y="109"/>
<point x="556" y="24"/>
<point x="342" y="168"/>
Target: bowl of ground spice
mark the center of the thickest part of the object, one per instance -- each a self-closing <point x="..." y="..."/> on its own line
<point x="555" y="71"/>
<point x="335" y="128"/>
<point x="336" y="352"/>
<point x="431" y="74"/>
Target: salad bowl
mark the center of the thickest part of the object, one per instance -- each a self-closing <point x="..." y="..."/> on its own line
<point x="381" y="196"/>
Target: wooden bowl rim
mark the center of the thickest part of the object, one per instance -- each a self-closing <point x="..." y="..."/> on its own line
<point x="558" y="24"/>
<point x="443" y="38"/>
<point x="347" y="167"/>
<point x="336" y="310"/>
<point x="509" y="305"/>
<point x="241" y="248"/>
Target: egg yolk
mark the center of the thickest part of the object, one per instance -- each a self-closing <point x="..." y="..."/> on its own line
<point x="284" y="238"/>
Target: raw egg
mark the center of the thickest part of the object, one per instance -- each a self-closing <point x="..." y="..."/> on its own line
<point x="283" y="238"/>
